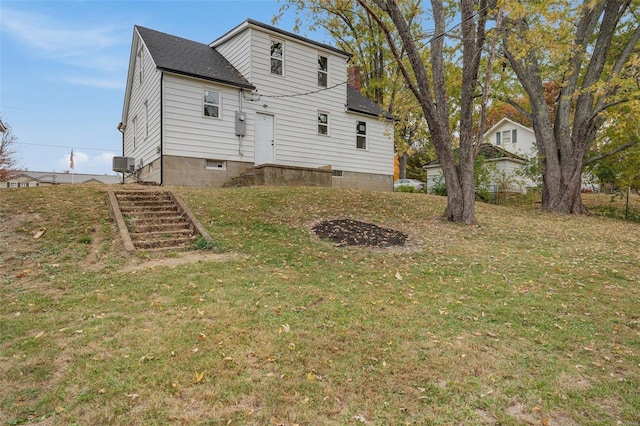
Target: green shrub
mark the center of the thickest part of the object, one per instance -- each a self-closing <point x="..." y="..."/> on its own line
<point x="439" y="187"/>
<point x="405" y="188"/>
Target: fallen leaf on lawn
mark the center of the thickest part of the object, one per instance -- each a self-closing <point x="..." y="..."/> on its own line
<point x="197" y="377"/>
<point x="202" y="336"/>
<point x="131" y="395"/>
<point x="311" y="376"/>
<point x="398" y="276"/>
<point x="39" y="335"/>
<point x="360" y="418"/>
<point x="59" y="409"/>
<point x="285" y="328"/>
<point x="39" y="233"/>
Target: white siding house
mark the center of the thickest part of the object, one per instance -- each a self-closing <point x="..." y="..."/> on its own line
<point x="197" y="114"/>
<point x="512" y="137"/>
<point x="507" y="147"/>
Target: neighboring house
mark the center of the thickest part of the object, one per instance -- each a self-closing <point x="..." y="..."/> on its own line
<point x="512" y="137"/>
<point x="507" y="147"/>
<point x="198" y="115"/>
<point x="27" y="179"/>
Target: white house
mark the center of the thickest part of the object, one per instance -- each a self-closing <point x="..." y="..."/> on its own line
<point x="512" y="137"/>
<point x="506" y="148"/>
<point x="197" y="114"/>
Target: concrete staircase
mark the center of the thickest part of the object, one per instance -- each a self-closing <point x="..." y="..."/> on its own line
<point x="246" y="178"/>
<point x="154" y="220"/>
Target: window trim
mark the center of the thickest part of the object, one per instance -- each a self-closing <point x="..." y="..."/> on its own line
<point x="223" y="163"/>
<point x="141" y="65"/>
<point x="134" y="122"/>
<point x="146" y="119"/>
<point x="325" y="72"/>
<point x="322" y="124"/>
<point x="272" y="58"/>
<point x="218" y="105"/>
<point x="366" y="139"/>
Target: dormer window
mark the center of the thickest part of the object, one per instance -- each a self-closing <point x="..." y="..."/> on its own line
<point x="507" y="136"/>
<point x="323" y="69"/>
<point x="277" y="57"/>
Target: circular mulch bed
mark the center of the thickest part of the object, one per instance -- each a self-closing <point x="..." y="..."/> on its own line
<point x="347" y="232"/>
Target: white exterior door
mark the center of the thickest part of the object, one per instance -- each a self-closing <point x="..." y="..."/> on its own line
<point x="264" y="139"/>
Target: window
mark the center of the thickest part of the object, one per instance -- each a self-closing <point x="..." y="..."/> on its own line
<point x="323" y="123"/>
<point x="141" y="65"/>
<point x="135" y="131"/>
<point x="146" y="119"/>
<point x="322" y="71"/>
<point x="277" y="56"/>
<point x="215" y="165"/>
<point x="13" y="184"/>
<point x="503" y="138"/>
<point x="336" y="173"/>
<point x="211" y="104"/>
<point x="361" y="135"/>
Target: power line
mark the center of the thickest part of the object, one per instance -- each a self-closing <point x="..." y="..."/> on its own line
<point x="433" y="38"/>
<point x="64" y="146"/>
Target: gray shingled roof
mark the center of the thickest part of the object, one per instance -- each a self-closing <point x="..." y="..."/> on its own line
<point x="182" y="56"/>
<point x="357" y="102"/>
<point x="490" y="152"/>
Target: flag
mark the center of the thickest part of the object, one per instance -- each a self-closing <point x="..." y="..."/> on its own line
<point x="71" y="165"/>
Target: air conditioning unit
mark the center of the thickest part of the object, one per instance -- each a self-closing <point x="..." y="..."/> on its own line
<point x="124" y="164"/>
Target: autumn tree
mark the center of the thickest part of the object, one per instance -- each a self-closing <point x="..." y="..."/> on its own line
<point x="7" y="153"/>
<point x="428" y="83"/>
<point x="355" y="31"/>
<point x="589" y="50"/>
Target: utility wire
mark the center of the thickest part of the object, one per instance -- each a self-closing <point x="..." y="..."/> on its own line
<point x="64" y="146"/>
<point x="391" y="62"/>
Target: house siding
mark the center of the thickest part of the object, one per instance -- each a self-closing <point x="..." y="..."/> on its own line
<point x="146" y="146"/>
<point x="526" y="140"/>
<point x="237" y="51"/>
<point x="297" y="139"/>
<point x="188" y="133"/>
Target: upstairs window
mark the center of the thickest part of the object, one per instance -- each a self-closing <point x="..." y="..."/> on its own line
<point x="277" y="57"/>
<point x="361" y="135"/>
<point x="141" y="65"/>
<point x="323" y="123"/>
<point x="507" y="136"/>
<point x="211" y="104"/>
<point x="323" y="70"/>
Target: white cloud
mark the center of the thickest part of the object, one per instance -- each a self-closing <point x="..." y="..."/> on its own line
<point x="92" y="47"/>
<point x="85" y="163"/>
<point x="52" y="38"/>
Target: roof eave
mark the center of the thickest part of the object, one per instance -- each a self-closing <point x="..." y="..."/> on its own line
<point x="215" y="80"/>
<point x="251" y="23"/>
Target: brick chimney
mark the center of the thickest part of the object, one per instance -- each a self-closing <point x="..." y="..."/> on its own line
<point x="354" y="76"/>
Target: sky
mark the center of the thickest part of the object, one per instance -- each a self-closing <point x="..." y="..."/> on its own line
<point x="63" y="69"/>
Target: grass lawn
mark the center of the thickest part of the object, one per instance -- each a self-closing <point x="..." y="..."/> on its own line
<point x="525" y="318"/>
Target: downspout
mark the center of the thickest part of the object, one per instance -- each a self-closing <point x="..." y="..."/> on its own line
<point x="240" y="147"/>
<point x="161" y="128"/>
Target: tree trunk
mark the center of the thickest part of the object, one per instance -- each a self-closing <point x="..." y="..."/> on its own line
<point x="402" y="165"/>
